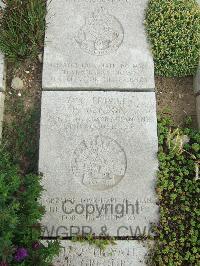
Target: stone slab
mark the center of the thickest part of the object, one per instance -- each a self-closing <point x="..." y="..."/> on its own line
<point x="124" y="253"/>
<point x="197" y="81"/>
<point x="98" y="154"/>
<point x="198" y="110"/>
<point x="2" y="85"/>
<point x="2" y="97"/>
<point x="97" y="44"/>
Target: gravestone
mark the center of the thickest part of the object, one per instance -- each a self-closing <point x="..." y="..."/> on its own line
<point x="197" y="81"/>
<point x="2" y="86"/>
<point x="124" y="253"/>
<point x="1" y="111"/>
<point x="98" y="141"/>
<point x="98" y="156"/>
<point x="198" y="110"/>
<point x="97" y="44"/>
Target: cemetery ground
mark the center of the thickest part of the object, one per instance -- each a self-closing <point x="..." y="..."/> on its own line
<point x="176" y="234"/>
<point x="175" y="98"/>
<point x="21" y="136"/>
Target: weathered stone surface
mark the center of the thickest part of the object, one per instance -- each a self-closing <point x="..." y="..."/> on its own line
<point x="98" y="156"/>
<point x="124" y="253"/>
<point x="198" y="109"/>
<point x="2" y="86"/>
<point x="98" y="44"/>
<point x="197" y="81"/>
<point x="2" y="96"/>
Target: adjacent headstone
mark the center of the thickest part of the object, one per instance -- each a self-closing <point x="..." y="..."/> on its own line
<point x="99" y="44"/>
<point x="197" y="81"/>
<point x="2" y="96"/>
<point x="98" y="156"/>
<point x="124" y="253"/>
<point x="2" y="85"/>
<point x="198" y="109"/>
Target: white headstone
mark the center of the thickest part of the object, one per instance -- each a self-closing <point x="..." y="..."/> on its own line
<point x="197" y="81"/>
<point x="198" y="110"/>
<point x="2" y="86"/>
<point x="2" y="96"/>
<point x="98" y="156"/>
<point x="98" y="44"/>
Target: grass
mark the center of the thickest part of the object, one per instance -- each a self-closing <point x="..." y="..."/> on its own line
<point x="22" y="29"/>
<point x="21" y="134"/>
<point x="102" y="244"/>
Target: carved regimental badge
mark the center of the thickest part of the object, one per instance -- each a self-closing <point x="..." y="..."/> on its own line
<point x="101" y="34"/>
<point x="99" y="163"/>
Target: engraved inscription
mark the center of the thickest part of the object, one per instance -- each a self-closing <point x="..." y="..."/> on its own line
<point x="101" y="34"/>
<point x="98" y="74"/>
<point x="99" y="163"/>
<point x="123" y="253"/>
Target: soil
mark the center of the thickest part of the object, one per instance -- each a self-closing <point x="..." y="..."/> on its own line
<point x="30" y="94"/>
<point x="31" y="74"/>
<point x="175" y="96"/>
<point x="22" y="114"/>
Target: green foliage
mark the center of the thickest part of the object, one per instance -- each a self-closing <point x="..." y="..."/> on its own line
<point x="102" y="244"/>
<point x="22" y="28"/>
<point x="20" y="213"/>
<point x="178" y="189"/>
<point x="173" y="27"/>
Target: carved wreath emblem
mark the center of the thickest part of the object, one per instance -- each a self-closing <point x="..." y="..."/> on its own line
<point x="99" y="163"/>
<point x="101" y="34"/>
